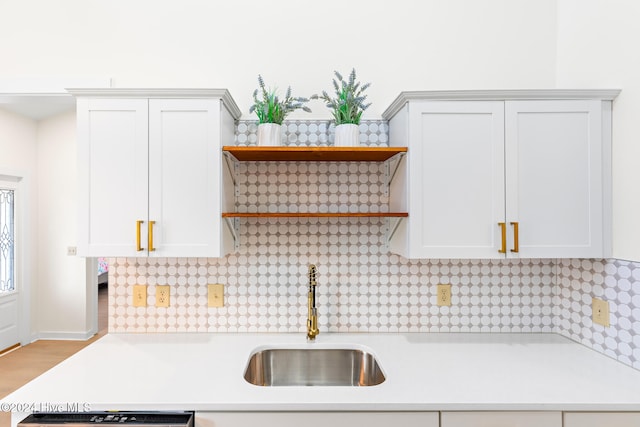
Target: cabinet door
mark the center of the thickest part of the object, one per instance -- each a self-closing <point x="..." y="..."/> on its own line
<point x="456" y="171"/>
<point x="317" y="419"/>
<point x="554" y="178"/>
<point x="600" y="419"/>
<point x="501" y="419"/>
<point x="184" y="177"/>
<point x="113" y="175"/>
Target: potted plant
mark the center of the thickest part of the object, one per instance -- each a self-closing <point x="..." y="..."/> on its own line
<point x="271" y="111"/>
<point x="347" y="107"/>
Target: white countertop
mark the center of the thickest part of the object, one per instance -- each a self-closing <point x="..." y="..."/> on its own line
<point x="424" y="372"/>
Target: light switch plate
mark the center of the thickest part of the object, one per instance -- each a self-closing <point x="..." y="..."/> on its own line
<point x="163" y="295"/>
<point x="215" y="295"/>
<point x="139" y="295"/>
<point x="600" y="311"/>
<point x="444" y="295"/>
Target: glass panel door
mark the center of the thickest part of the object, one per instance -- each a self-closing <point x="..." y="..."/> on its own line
<point x="7" y="240"/>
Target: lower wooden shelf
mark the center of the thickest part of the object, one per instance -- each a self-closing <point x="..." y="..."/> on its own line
<point x="314" y="215"/>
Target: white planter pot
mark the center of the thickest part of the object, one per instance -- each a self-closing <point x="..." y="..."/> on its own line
<point x="269" y="134"/>
<point x="347" y="135"/>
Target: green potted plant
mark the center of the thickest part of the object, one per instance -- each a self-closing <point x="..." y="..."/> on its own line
<point x="271" y="111"/>
<point x="347" y="107"/>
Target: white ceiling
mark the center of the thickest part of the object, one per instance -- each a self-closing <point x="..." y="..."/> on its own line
<point x="37" y="106"/>
<point x="42" y="97"/>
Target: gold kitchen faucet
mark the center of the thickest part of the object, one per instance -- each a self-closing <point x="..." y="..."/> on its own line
<point x="312" y="318"/>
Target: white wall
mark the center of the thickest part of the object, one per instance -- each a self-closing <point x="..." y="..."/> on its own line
<point x="18" y="159"/>
<point x="399" y="45"/>
<point x="44" y="153"/>
<point x="598" y="47"/>
<point x="62" y="291"/>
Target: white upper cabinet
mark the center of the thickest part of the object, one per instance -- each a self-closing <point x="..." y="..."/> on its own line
<point x="503" y="174"/>
<point x="150" y="173"/>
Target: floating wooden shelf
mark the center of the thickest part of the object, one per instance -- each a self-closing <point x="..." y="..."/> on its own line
<point x="313" y="154"/>
<point x="314" y="215"/>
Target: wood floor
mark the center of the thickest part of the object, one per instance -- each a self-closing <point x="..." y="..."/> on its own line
<point x="20" y="366"/>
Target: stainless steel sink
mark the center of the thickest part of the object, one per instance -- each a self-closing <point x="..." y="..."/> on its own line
<point x="313" y="367"/>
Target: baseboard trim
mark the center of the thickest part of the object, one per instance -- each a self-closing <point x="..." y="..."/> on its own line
<point x="33" y="337"/>
<point x="69" y="336"/>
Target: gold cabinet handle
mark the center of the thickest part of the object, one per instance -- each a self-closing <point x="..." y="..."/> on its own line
<point x="503" y="231"/>
<point x="516" y="244"/>
<point x="151" y="248"/>
<point x="138" y="244"/>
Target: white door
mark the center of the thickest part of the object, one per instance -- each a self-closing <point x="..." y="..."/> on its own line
<point x="456" y="170"/>
<point x="554" y="178"/>
<point x="184" y="175"/>
<point x="9" y="289"/>
<point x="113" y="162"/>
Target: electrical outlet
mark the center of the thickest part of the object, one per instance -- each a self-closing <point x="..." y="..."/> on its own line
<point x="162" y="295"/>
<point x="72" y="251"/>
<point x="215" y="295"/>
<point x="444" y="295"/>
<point x="600" y="311"/>
<point x="139" y="295"/>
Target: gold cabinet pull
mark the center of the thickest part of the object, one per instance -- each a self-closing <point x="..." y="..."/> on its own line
<point x="138" y="243"/>
<point x="151" y="248"/>
<point x="516" y="244"/>
<point x="503" y="231"/>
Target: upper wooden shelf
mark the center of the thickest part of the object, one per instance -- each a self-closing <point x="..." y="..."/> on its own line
<point x="312" y="154"/>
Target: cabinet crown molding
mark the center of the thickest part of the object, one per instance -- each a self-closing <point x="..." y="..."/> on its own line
<point x="497" y="95"/>
<point x="223" y="94"/>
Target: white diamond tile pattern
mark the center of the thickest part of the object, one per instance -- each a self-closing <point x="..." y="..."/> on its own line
<point x="314" y="133"/>
<point x="361" y="286"/>
<point x="615" y="281"/>
<point x="311" y="187"/>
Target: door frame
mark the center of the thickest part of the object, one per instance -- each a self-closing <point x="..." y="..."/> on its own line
<point x="23" y="263"/>
<point x="92" y="295"/>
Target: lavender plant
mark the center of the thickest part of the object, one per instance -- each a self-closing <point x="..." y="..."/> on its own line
<point x="349" y="101"/>
<point x="271" y="109"/>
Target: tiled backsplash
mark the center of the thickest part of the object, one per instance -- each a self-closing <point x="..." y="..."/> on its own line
<point x="615" y="281"/>
<point x="357" y="291"/>
<point x="363" y="287"/>
<point x="317" y="132"/>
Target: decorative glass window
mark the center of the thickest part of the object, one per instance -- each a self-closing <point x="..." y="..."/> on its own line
<point x="7" y="240"/>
